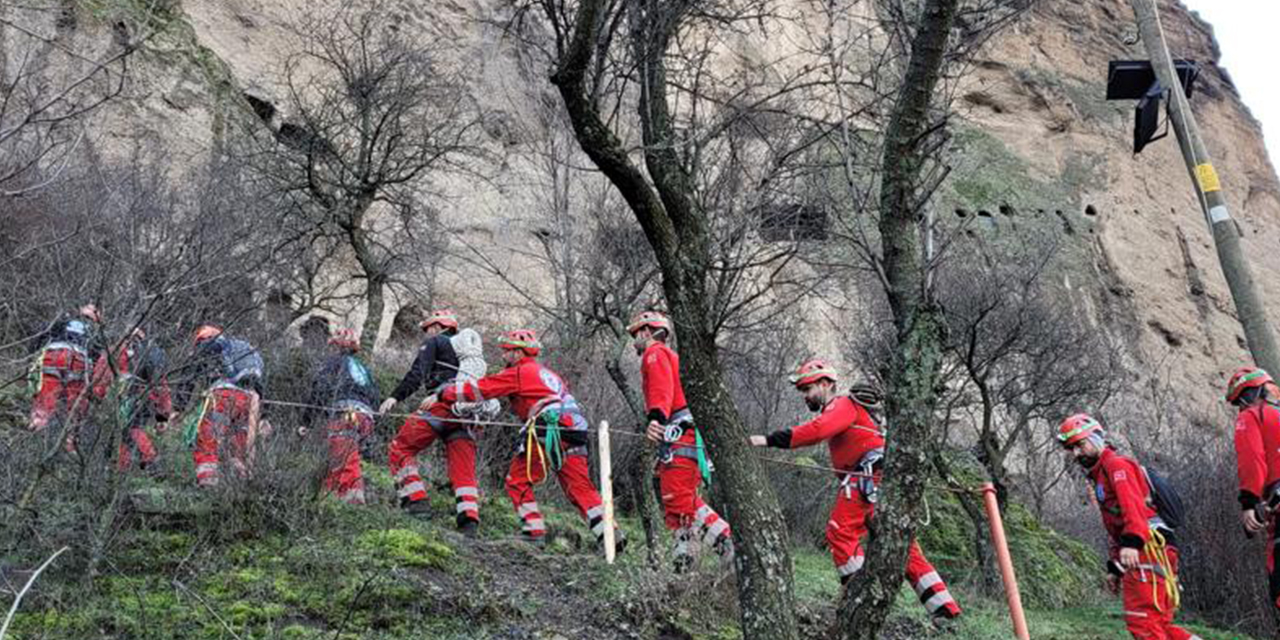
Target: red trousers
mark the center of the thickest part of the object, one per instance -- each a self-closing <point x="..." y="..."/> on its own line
<point x="62" y="391"/>
<point x="683" y="510"/>
<point x="345" y="431"/>
<point x="136" y="442"/>
<point x="575" y="480"/>
<point x="845" y="531"/>
<point x="225" y="427"/>
<point x="416" y="434"/>
<point x="1148" y="613"/>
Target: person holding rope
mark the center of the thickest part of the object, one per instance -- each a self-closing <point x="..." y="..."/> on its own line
<point x="856" y="443"/>
<point x="1257" y="441"/>
<point x="446" y="355"/>
<point x="1143" y="558"/>
<point x="344" y="385"/>
<point x="555" y="434"/>
<point x="68" y="350"/>
<point x="682" y="465"/>
<point x="142" y="389"/>
<point x="230" y="418"/>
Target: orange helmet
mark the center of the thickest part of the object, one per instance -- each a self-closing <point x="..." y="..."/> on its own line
<point x="651" y="319"/>
<point x="522" y="339"/>
<point x="1245" y="378"/>
<point x="446" y="318"/>
<point x="345" y="339"/>
<point x="207" y="332"/>
<point x="1077" y="428"/>
<point x="90" y="311"/>
<point x="812" y="371"/>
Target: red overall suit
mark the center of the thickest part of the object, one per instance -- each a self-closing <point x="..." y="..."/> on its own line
<point x="228" y="418"/>
<point x="1124" y="498"/>
<point x="537" y="393"/>
<point x="143" y="392"/>
<point x="677" y="468"/>
<point x="851" y="435"/>
<point x="345" y="386"/>
<point x="1258" y="467"/>
<point x="70" y="345"/>
<point x="435" y="365"/>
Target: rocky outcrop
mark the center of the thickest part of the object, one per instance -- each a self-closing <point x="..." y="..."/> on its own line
<point x="1040" y="149"/>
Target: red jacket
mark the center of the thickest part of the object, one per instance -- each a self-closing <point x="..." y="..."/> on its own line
<point x="663" y="392"/>
<point x="130" y="365"/>
<point x="1257" y="451"/>
<point x="847" y="427"/>
<point x="1124" y="498"/>
<point x="529" y="385"/>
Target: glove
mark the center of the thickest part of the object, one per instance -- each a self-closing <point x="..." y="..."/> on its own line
<point x="387" y="405"/>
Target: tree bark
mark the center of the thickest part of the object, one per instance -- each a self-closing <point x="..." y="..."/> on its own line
<point x="914" y="373"/>
<point x="677" y="231"/>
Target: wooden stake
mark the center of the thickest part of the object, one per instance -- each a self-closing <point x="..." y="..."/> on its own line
<point x="606" y="491"/>
<point x="1005" y="562"/>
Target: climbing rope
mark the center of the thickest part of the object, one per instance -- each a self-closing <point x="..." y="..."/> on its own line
<point x="1156" y="548"/>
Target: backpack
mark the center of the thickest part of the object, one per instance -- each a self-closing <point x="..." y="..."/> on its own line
<point x="240" y="361"/>
<point x="1166" y="499"/>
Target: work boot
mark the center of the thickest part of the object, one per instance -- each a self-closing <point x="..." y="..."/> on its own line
<point x="539" y="542"/>
<point x="419" y="509"/>
<point x="943" y="622"/>
<point x="468" y="527"/>
<point x="619" y="542"/>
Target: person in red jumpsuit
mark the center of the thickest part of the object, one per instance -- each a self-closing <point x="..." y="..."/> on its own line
<point x="230" y="416"/>
<point x="69" y="349"/>
<point x="435" y="365"/>
<point x="1143" y="557"/>
<point x="344" y="385"/>
<point x="138" y="374"/>
<point x="856" y="444"/>
<point x="671" y="425"/>
<point x="1257" y="439"/>
<point x="554" y="437"/>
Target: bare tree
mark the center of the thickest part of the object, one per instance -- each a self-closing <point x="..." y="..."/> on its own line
<point x="371" y="116"/>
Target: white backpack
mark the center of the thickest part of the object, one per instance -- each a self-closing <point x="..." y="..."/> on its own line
<point x="469" y="347"/>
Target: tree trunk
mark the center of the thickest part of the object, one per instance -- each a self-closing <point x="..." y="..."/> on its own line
<point x="677" y="231"/>
<point x="914" y="374"/>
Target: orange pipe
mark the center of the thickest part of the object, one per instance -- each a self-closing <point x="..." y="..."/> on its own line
<point x="1005" y="562"/>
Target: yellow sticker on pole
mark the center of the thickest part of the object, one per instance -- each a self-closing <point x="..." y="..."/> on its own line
<point x="1208" y="178"/>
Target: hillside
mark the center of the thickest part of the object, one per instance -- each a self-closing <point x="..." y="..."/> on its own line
<point x="271" y="566"/>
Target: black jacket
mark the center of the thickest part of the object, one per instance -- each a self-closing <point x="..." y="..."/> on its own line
<point x="436" y="364"/>
<point x="341" y="377"/>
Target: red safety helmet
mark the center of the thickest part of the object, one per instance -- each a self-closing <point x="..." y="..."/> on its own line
<point x="90" y="311"/>
<point x="345" y="339"/>
<point x="813" y="371"/>
<point x="651" y="319"/>
<point x="1245" y="378"/>
<point x="444" y="317"/>
<point x="1077" y="428"/>
<point x="521" y="339"/>
<point x="207" y="332"/>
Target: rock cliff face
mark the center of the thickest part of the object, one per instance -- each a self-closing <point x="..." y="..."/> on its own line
<point x="1039" y="144"/>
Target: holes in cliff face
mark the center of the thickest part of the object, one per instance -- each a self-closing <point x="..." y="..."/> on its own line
<point x="962" y="214"/>
<point x="1066" y="224"/>
<point x="980" y="99"/>
<point x="1170" y="337"/>
<point x="1091" y="211"/>
<point x="261" y="107"/>
<point x="1007" y="211"/>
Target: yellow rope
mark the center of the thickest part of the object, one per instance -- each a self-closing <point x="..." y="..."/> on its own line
<point x="1156" y="549"/>
<point x="530" y="445"/>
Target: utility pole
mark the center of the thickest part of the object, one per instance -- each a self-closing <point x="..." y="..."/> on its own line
<point x="1226" y="236"/>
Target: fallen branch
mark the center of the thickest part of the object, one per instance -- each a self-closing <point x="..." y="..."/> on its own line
<point x="178" y="584"/>
<point x="13" y="610"/>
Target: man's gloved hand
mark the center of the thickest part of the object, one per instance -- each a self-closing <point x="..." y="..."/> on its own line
<point x="1129" y="558"/>
<point x="387" y="405"/>
<point x="758" y="441"/>
<point x="302" y="432"/>
<point x="162" y="422"/>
